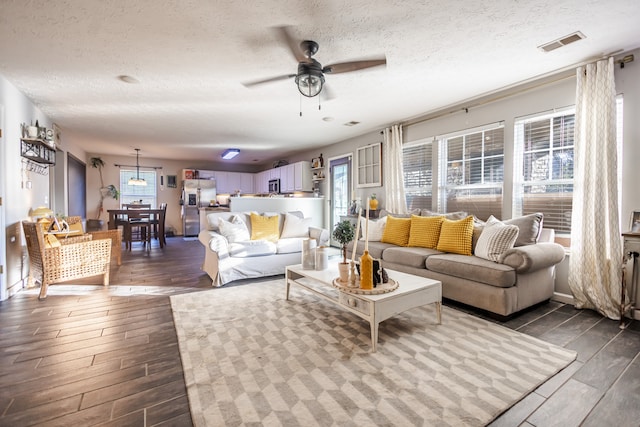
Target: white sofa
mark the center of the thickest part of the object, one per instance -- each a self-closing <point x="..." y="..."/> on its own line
<point x="226" y="261"/>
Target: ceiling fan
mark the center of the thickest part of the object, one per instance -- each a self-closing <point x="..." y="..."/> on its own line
<point x="310" y="75"/>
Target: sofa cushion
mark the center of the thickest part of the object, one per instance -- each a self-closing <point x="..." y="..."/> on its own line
<point x="530" y="227"/>
<point x="375" y="248"/>
<point x="289" y="245"/>
<point x="234" y="230"/>
<point x="252" y="248"/>
<point x="376" y="228"/>
<point x="472" y="268"/>
<point x="451" y="215"/>
<point x="412" y="257"/>
<point x="397" y="231"/>
<point x="265" y="227"/>
<point x="496" y="239"/>
<point x="425" y="231"/>
<point x="456" y="236"/>
<point x="294" y="226"/>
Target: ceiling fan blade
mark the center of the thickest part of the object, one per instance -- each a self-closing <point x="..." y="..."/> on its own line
<point x="293" y="44"/>
<point x="269" y="80"/>
<point x="345" y="67"/>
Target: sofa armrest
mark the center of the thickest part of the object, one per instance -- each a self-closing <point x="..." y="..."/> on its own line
<point x="215" y="242"/>
<point x="320" y="234"/>
<point x="530" y="258"/>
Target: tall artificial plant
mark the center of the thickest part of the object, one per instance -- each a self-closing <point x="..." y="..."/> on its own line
<point x="105" y="191"/>
<point x="344" y="233"/>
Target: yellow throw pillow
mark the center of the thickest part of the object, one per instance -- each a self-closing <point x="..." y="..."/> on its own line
<point x="264" y="227"/>
<point x="455" y="236"/>
<point x="396" y="231"/>
<point x="425" y="231"/>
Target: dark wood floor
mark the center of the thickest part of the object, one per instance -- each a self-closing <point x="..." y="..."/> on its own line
<point x="90" y="355"/>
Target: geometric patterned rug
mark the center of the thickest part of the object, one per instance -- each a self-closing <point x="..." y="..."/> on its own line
<point x="252" y="358"/>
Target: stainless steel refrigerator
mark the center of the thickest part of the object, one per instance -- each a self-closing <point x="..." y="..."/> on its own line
<point x="196" y="194"/>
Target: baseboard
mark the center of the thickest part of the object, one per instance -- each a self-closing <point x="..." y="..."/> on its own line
<point x="564" y="298"/>
<point x="568" y="299"/>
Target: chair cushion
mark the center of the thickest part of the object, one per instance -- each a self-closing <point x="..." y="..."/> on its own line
<point x="456" y="236"/>
<point x="425" y="231"/>
<point x="264" y="227"/>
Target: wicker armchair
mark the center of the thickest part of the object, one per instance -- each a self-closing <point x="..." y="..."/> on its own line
<point x="114" y="235"/>
<point x="75" y="258"/>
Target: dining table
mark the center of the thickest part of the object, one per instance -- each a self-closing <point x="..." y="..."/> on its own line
<point x="120" y="217"/>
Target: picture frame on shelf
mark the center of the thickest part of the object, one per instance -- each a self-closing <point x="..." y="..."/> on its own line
<point x="635" y="222"/>
<point x="316" y="163"/>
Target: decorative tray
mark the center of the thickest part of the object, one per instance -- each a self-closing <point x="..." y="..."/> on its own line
<point x="382" y="288"/>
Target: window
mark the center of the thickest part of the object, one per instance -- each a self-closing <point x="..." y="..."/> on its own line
<point x="543" y="158"/>
<point x="471" y="168"/>
<point x="417" y="162"/>
<point x="137" y="193"/>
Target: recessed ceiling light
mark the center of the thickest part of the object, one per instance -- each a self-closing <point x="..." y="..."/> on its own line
<point x="128" y="79"/>
<point x="230" y="153"/>
<point x="352" y="123"/>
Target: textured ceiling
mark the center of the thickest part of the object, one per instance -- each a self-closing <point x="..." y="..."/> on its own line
<point x="191" y="58"/>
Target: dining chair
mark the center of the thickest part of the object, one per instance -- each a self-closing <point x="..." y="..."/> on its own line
<point x="158" y="228"/>
<point x="138" y="225"/>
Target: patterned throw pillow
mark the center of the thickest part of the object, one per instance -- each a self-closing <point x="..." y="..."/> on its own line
<point x="496" y="238"/>
<point x="234" y="230"/>
<point x="397" y="231"/>
<point x="264" y="227"/>
<point x="455" y="236"/>
<point x="376" y="228"/>
<point x="425" y="231"/>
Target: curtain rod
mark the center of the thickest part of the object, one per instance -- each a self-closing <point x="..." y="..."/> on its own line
<point x="133" y="166"/>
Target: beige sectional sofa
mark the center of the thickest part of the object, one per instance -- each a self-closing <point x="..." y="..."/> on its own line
<point x="521" y="277"/>
<point x="237" y="252"/>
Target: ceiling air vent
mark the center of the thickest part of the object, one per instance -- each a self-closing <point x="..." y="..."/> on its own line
<point x="573" y="37"/>
<point x="351" y="123"/>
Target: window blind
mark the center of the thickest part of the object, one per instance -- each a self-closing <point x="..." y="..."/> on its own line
<point x="472" y="172"/>
<point x="417" y="163"/>
<point x="544" y="158"/>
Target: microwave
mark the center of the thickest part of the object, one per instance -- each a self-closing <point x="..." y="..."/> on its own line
<point x="274" y="186"/>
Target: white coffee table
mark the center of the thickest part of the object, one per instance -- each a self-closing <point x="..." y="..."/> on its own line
<point x="413" y="291"/>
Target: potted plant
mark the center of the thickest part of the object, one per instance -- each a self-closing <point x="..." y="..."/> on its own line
<point x="344" y="233"/>
<point x="105" y="191"/>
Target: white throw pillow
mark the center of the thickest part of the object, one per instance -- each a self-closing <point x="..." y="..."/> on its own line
<point x="376" y="228"/>
<point x="234" y="230"/>
<point x="496" y="238"/>
<point x="294" y="226"/>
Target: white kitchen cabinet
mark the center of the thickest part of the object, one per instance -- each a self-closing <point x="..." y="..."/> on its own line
<point x="246" y="183"/>
<point x="302" y="176"/>
<point x="287" y="179"/>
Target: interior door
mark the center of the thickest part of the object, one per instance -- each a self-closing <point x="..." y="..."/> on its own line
<point x="340" y="173"/>
<point x="77" y="175"/>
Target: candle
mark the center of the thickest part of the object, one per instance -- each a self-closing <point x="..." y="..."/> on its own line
<point x="366" y="232"/>
<point x="355" y="241"/>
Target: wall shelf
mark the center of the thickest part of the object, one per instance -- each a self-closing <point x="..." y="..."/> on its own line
<point x="37" y="150"/>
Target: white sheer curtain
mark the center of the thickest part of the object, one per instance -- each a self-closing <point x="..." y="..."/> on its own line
<point x="394" y="198"/>
<point x="596" y="250"/>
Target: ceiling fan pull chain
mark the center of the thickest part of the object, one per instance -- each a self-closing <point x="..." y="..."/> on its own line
<point x="319" y="106"/>
<point x="300" y="105"/>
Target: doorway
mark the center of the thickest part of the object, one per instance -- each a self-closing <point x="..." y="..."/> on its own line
<point x="340" y="191"/>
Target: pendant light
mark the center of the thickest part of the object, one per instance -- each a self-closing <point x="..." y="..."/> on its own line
<point x="137" y="180"/>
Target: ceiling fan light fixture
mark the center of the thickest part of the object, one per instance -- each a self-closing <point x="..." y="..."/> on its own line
<point x="230" y="153"/>
<point x="309" y="85"/>
<point x="137" y="180"/>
